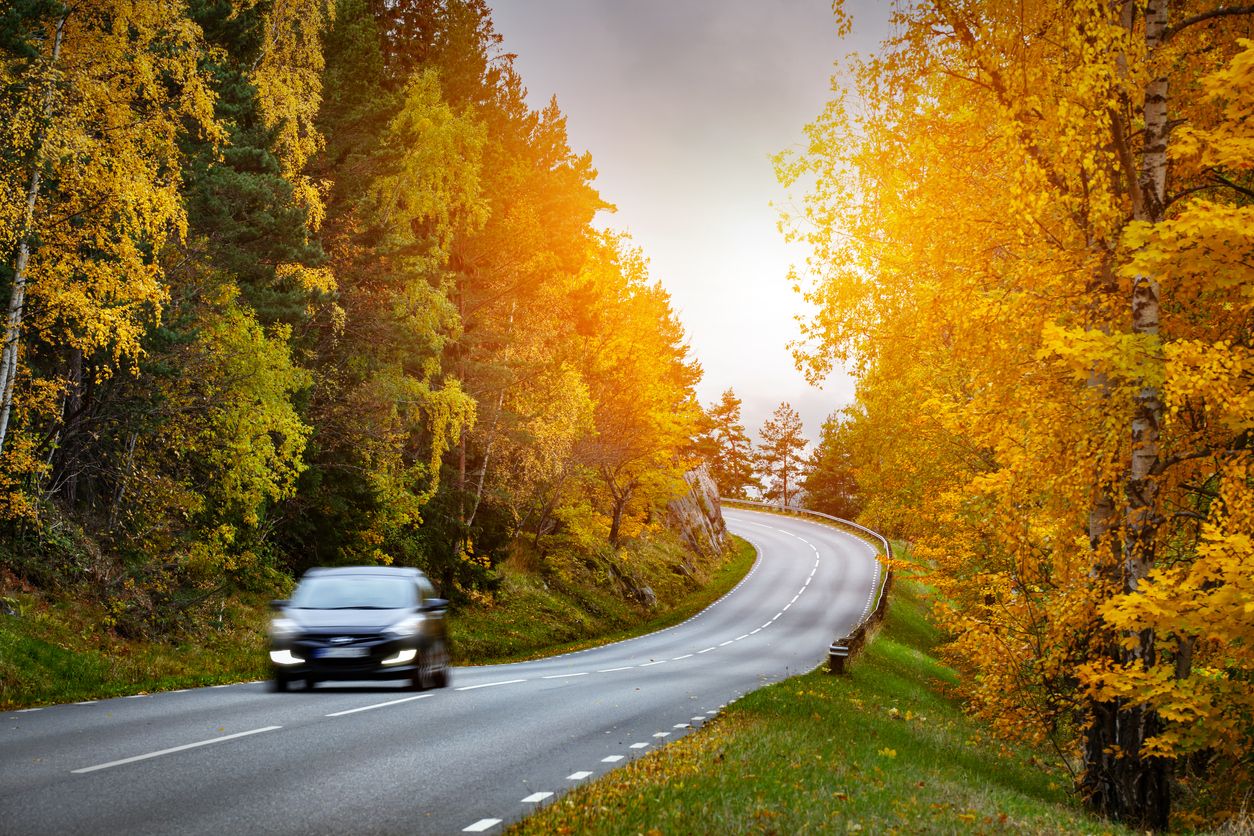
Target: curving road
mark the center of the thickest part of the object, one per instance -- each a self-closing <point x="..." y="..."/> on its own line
<point x="471" y="758"/>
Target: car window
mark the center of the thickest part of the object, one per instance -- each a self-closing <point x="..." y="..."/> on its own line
<point x="354" y="592"/>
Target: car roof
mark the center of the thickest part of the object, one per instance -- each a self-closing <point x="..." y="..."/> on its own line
<point x="387" y="571"/>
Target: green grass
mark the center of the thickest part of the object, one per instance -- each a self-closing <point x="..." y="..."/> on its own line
<point x="53" y="653"/>
<point x="538" y="618"/>
<point x="881" y="750"/>
<point x="56" y="651"/>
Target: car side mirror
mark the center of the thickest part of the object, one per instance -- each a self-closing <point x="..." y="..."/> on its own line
<point x="435" y="604"/>
<point x="277" y="606"/>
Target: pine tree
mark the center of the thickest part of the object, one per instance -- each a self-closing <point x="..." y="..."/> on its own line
<point x="781" y="455"/>
<point x="726" y="449"/>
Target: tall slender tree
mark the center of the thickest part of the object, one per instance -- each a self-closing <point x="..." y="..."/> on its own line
<point x="781" y="456"/>
<point x="726" y="449"/>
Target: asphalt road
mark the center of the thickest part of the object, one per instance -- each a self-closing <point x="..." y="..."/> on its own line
<point x="471" y="758"/>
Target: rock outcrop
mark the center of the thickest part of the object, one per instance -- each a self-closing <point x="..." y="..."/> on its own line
<point x="698" y="516"/>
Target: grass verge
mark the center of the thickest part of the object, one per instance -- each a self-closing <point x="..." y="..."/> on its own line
<point x="881" y="750"/>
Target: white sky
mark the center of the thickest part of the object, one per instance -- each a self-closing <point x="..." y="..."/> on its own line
<point x="682" y="103"/>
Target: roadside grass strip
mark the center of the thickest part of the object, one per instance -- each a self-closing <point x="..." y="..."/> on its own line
<point x="881" y="750"/>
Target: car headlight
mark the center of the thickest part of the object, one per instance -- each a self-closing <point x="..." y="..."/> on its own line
<point x="282" y="629"/>
<point x="406" y="627"/>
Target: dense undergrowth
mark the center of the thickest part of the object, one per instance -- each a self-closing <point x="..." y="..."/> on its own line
<point x="56" y="647"/>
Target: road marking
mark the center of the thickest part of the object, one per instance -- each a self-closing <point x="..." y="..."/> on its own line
<point x="490" y="685"/>
<point x="685" y="656"/>
<point x="228" y="685"/>
<point x="794" y="598"/>
<point x="785" y="609"/>
<point x="565" y="675"/>
<point x="662" y="734"/>
<point x="536" y="796"/>
<point x="707" y="650"/>
<point x="378" y="705"/>
<point x="172" y="750"/>
<point x="807" y="583"/>
<point x="724" y="644"/>
<point x="179" y="691"/>
<point x="612" y="759"/>
<point x="578" y="776"/>
<point x="638" y="746"/>
<point x="698" y="719"/>
<point x="738" y="638"/>
<point x="86" y="702"/>
<point x="611" y="670"/>
<point x="759" y="630"/>
<point x="682" y="726"/>
<point x="27" y="710"/>
<point x="650" y="664"/>
<point x="767" y="624"/>
<point x="136" y="696"/>
<point x="482" y="825"/>
<point x="777" y="615"/>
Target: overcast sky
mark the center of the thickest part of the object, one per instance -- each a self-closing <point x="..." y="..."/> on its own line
<point x="682" y="103"/>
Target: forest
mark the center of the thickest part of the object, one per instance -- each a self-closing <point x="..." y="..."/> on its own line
<point x="308" y="282"/>
<point x="1030" y="229"/>
<point x="301" y="283"/>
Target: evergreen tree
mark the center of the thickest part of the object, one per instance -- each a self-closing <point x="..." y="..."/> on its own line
<point x="726" y="449"/>
<point x="781" y="455"/>
<point x="830" y="485"/>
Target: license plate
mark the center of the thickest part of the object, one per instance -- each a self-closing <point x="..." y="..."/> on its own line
<point x="342" y="653"/>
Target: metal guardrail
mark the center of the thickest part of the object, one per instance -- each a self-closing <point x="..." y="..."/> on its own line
<point x="841" y="651"/>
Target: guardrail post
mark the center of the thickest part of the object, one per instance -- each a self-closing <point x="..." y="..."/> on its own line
<point x="837" y="657"/>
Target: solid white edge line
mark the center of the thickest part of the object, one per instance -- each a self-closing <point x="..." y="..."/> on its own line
<point x="535" y="797"/>
<point x="172" y="750"/>
<point x="481" y="825"/>
<point x="565" y="675"/>
<point x="378" y="705"/>
<point x="26" y="710"/>
<point x="489" y="685"/>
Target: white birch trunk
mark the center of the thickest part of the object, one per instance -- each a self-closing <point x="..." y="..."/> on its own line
<point x="17" y="300"/>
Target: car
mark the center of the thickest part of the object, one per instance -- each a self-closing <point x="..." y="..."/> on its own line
<point x="359" y="623"/>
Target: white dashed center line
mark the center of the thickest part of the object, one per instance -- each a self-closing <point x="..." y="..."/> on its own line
<point x="685" y="656"/>
<point x="378" y="705"/>
<point x="612" y="670"/>
<point x="172" y="749"/>
<point x="650" y="664"/>
<point x="565" y="675"/>
<point x="490" y="684"/>
<point x="707" y="650"/>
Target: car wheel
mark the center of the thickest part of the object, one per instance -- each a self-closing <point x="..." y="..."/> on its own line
<point x="433" y="668"/>
<point x="278" y="683"/>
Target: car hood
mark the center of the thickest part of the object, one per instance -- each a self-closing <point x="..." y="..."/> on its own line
<point x="347" y="621"/>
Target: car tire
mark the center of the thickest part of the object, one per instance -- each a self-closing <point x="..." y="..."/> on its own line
<point x="433" y="667"/>
<point x="278" y="683"/>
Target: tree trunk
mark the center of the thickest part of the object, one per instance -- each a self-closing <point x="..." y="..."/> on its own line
<point x="1118" y="781"/>
<point x="17" y="300"/>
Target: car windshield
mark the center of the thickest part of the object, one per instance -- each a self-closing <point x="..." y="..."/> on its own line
<point x="354" y="592"/>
